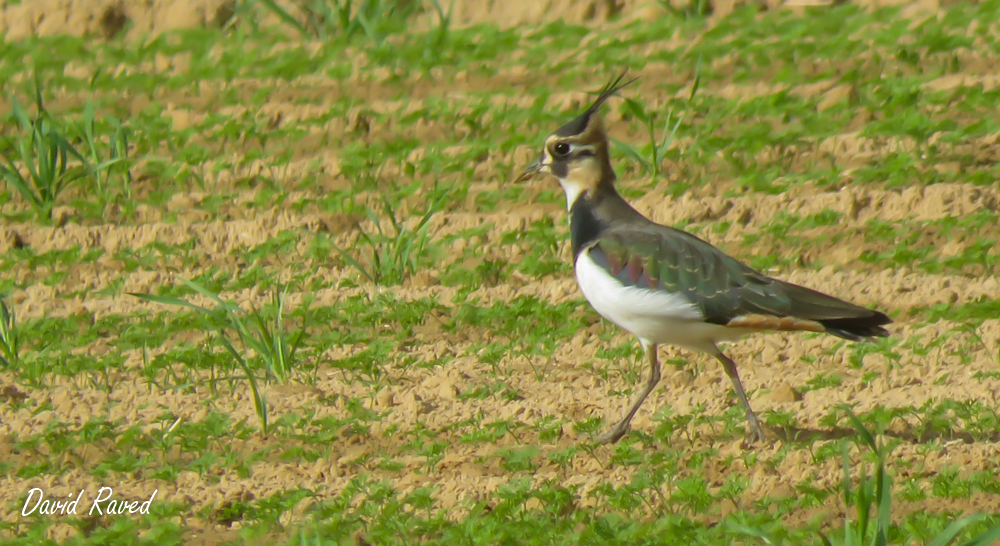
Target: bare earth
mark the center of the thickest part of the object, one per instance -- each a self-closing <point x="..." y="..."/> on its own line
<point x="771" y="365"/>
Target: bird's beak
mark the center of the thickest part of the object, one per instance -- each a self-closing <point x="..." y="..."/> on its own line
<point x="532" y="170"/>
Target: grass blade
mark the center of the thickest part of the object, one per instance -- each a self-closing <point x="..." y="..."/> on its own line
<point x="357" y="265"/>
<point x="10" y="337"/>
<point x="633" y="154"/>
<point x="274" y="8"/>
<point x="259" y="400"/>
<point x="948" y="535"/>
<point x="167" y="300"/>
<point x="990" y="536"/>
<point x="863" y="433"/>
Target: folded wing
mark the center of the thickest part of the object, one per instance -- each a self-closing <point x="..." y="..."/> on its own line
<point x="726" y="291"/>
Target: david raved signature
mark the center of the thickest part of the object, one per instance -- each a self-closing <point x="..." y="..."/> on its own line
<point x="102" y="504"/>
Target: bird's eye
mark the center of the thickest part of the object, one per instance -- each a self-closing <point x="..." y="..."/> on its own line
<point x="561" y="149"/>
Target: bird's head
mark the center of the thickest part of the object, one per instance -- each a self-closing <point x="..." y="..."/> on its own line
<point x="577" y="153"/>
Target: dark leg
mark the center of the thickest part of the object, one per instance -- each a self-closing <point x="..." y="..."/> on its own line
<point x="622" y="427"/>
<point x="756" y="432"/>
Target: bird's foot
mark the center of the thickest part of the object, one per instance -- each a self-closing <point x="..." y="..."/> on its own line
<point x="755" y="432"/>
<point x="612" y="436"/>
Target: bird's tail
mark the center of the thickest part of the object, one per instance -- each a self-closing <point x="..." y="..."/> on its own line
<point x="839" y="317"/>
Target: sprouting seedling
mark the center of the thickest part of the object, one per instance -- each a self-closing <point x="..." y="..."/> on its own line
<point x="393" y="253"/>
<point x="655" y="151"/>
<point x="871" y="500"/>
<point x="873" y="494"/>
<point x="116" y="151"/>
<point x="10" y="337"/>
<point x="444" y="22"/>
<point x="286" y="17"/>
<point x="690" y="10"/>
<point x="263" y="340"/>
<point x="323" y="19"/>
<point x="259" y="330"/>
<point x="51" y="162"/>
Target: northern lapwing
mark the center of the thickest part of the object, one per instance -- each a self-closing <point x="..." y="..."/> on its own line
<point x="665" y="285"/>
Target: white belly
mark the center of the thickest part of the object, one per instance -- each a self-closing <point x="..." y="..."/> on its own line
<point x="655" y="316"/>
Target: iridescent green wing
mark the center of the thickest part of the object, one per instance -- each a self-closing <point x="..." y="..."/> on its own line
<point x="721" y="287"/>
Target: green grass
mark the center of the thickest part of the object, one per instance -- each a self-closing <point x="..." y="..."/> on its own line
<point x="41" y="163"/>
<point x="392" y="254"/>
<point x="10" y="337"/>
<point x="257" y="340"/>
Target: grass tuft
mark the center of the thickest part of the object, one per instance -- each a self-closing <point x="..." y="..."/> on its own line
<point x="392" y="253"/>
<point x="51" y="162"/>
<point x="871" y="503"/>
<point x="324" y="19"/>
<point x="112" y="154"/>
<point x="257" y="339"/>
<point x="651" y="156"/>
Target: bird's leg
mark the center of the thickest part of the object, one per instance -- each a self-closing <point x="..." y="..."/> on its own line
<point x="622" y="427"/>
<point x="756" y="432"/>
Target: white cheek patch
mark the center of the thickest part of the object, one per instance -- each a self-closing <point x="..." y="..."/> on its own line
<point x="575" y="183"/>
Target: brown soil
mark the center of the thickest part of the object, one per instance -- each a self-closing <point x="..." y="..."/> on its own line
<point x="108" y="18"/>
<point x="936" y="361"/>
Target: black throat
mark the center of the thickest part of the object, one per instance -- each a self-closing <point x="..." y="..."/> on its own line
<point x="584" y="225"/>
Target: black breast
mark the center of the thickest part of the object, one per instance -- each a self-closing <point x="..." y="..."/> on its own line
<point x="584" y="225"/>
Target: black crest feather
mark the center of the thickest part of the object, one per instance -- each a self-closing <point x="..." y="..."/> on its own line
<point x="579" y="123"/>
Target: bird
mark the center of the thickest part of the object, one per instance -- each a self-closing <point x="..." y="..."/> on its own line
<point x="664" y="285"/>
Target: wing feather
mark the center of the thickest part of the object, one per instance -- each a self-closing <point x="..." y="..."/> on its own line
<point x="726" y="291"/>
